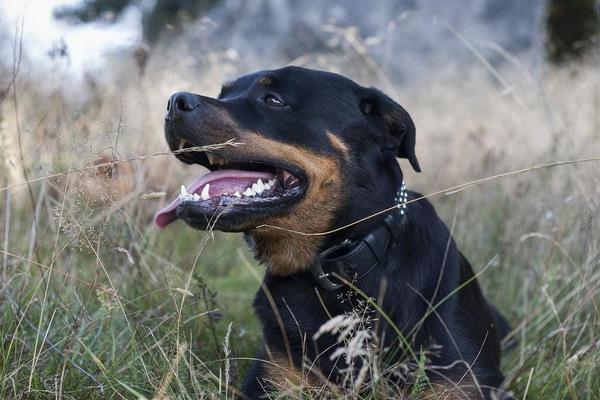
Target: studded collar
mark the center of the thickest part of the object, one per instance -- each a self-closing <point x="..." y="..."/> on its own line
<point x="352" y="259"/>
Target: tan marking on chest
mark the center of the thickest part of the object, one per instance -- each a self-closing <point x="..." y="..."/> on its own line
<point x="281" y="373"/>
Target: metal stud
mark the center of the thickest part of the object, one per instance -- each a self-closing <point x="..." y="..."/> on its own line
<point x="401" y="198"/>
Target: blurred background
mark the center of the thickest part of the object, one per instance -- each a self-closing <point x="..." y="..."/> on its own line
<point x="96" y="303"/>
<point x="406" y="38"/>
<point x="409" y="49"/>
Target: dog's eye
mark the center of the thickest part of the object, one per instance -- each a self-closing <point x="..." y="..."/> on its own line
<point x="273" y="101"/>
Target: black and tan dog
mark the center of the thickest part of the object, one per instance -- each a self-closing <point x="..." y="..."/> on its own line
<point x="320" y="152"/>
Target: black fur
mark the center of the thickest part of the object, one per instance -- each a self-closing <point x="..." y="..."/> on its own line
<point x="423" y="268"/>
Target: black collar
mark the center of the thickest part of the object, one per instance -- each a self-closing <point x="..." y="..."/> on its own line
<point x="351" y="260"/>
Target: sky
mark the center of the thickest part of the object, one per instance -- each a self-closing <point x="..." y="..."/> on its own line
<point x="86" y="43"/>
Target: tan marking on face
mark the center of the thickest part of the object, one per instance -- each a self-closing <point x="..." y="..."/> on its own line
<point x="265" y="81"/>
<point x="283" y="252"/>
<point x="281" y="373"/>
<point x="338" y="144"/>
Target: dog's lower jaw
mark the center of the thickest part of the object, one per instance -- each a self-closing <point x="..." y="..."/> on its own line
<point x="284" y="253"/>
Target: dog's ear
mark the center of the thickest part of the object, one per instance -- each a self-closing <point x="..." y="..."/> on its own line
<point x="399" y="127"/>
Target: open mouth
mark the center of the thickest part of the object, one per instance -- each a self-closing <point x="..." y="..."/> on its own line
<point x="232" y="190"/>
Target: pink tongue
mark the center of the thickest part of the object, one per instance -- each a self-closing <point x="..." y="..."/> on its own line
<point x="224" y="181"/>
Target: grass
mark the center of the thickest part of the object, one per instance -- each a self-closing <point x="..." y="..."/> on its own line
<point x="95" y="303"/>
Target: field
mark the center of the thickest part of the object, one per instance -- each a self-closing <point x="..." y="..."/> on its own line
<point x="96" y="303"/>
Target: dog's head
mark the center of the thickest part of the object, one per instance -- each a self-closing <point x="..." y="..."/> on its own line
<point x="315" y="150"/>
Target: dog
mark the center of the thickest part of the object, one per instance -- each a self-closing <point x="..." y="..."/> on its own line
<point x="316" y="163"/>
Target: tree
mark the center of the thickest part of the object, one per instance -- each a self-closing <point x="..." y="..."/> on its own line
<point x="572" y="27"/>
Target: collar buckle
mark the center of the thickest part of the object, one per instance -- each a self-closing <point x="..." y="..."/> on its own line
<point x="324" y="278"/>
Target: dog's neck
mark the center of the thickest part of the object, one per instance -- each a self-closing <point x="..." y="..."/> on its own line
<point x="367" y="205"/>
<point x="354" y="258"/>
<point x="285" y="253"/>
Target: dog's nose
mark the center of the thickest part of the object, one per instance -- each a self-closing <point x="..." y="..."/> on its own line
<point x="180" y="103"/>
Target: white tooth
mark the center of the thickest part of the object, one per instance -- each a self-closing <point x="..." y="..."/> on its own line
<point x="254" y="187"/>
<point x="204" y="195"/>
<point x="211" y="158"/>
<point x="237" y="194"/>
<point x="183" y="191"/>
<point x="272" y="182"/>
<point x="248" y="192"/>
<point x="196" y="197"/>
<point x="186" y="197"/>
<point x="225" y="194"/>
<point x="261" y="186"/>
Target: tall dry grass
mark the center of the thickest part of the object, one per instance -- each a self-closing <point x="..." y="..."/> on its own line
<point x="95" y="303"/>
